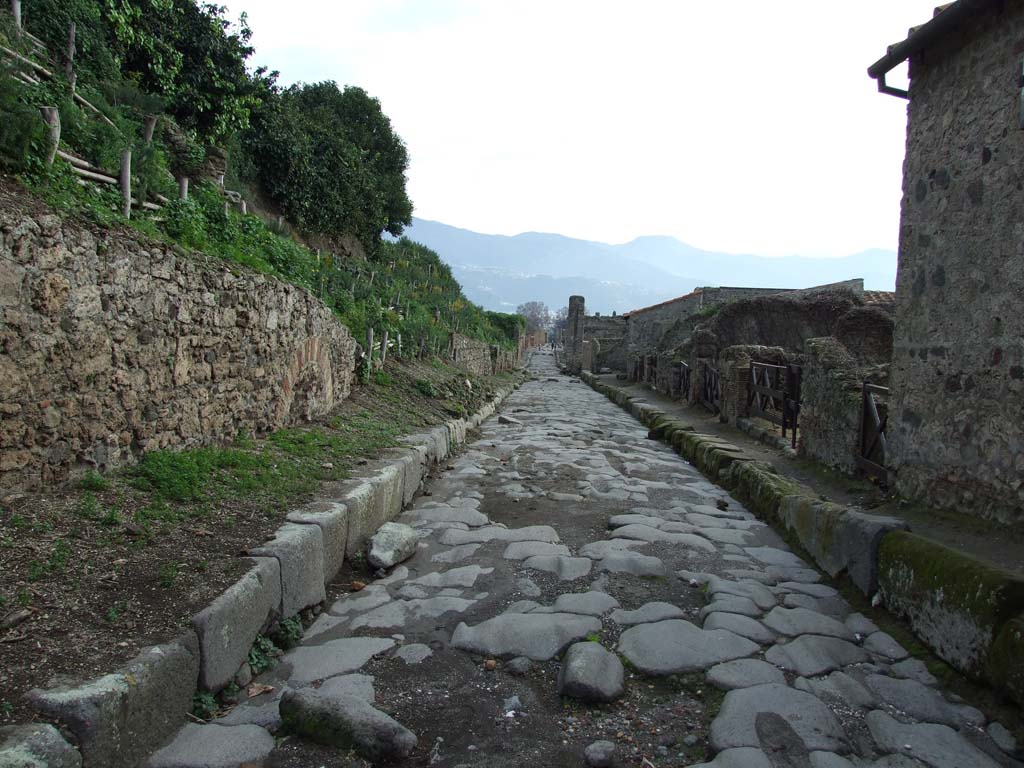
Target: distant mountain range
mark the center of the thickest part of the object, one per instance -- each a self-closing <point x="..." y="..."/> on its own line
<point x="500" y="272"/>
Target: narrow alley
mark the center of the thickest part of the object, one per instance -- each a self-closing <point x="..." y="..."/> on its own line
<point x="694" y="635"/>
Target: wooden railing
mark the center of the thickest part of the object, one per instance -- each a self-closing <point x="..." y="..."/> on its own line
<point x="710" y="388"/>
<point x="873" y="421"/>
<point x="773" y="394"/>
<point x="679" y="386"/>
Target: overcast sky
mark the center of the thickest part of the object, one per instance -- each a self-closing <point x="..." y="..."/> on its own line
<point x="743" y="126"/>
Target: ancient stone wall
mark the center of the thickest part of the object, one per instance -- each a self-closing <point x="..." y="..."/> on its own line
<point x="956" y="436"/>
<point x="481" y="358"/>
<point x="609" y="332"/>
<point x="113" y="345"/>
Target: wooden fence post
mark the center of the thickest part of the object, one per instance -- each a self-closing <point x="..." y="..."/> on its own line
<point x="384" y="348"/>
<point x="16" y="12"/>
<point x="126" y="183"/>
<point x="52" y="117"/>
<point x="183" y="188"/>
<point x="149" y="127"/>
<point x="69" y="56"/>
<point x="369" y="352"/>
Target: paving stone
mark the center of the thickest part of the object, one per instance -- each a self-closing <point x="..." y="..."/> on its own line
<point x="520" y="550"/>
<point x="528" y="587"/>
<point x="647" y="614"/>
<point x="358" y="602"/>
<point x="398" y="613"/>
<point x="337" y="657"/>
<point x="36" y="745"/>
<point x="214" y="746"/>
<point x="591" y="603"/>
<point x="727" y="535"/>
<point x="732" y="604"/>
<point x="496" y="532"/>
<point x="803" y="575"/>
<point x="735" y="725"/>
<point x="921" y="702"/>
<point x="839" y="687"/>
<point x="411" y="592"/>
<point x="742" y="757"/>
<point x="883" y="644"/>
<point x="445" y="514"/>
<point x="829" y="760"/>
<point x="262" y="710"/>
<point x="777" y="557"/>
<point x="743" y="673"/>
<point x="814" y="590"/>
<point x="744" y="626"/>
<point x="455" y="554"/>
<point x="524" y="606"/>
<point x="654" y="536"/>
<point x="793" y="622"/>
<point x="860" y="624"/>
<point x="632" y="563"/>
<point x="536" y="636"/>
<point x="599" y="754"/>
<point x="414" y="653"/>
<point x="591" y="673"/>
<point x="669" y="647"/>
<point x="914" y="669"/>
<point x="1005" y="740"/>
<point x="347" y="722"/>
<point x="464" y="576"/>
<point x="938" y="746"/>
<point x="761" y="596"/>
<point x="811" y="655"/>
<point x="391" y="544"/>
<point x="596" y="550"/>
<point x="618" y="521"/>
<point x="566" y="568"/>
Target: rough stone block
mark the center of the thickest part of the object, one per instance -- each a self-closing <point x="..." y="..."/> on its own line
<point x="839" y="539"/>
<point x="1004" y="668"/>
<point x="332" y="517"/>
<point x="228" y="626"/>
<point x="953" y="602"/>
<point x="299" y="549"/>
<point x="357" y="498"/>
<point x="34" y="746"/>
<point x="118" y="719"/>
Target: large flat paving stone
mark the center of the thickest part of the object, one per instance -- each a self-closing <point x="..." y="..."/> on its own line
<point x="670" y="647"/>
<point x="520" y="550"/>
<point x="838" y="687"/>
<point x="757" y="593"/>
<point x="647" y="614"/>
<point x="566" y="568"/>
<point x="446" y="514"/>
<point x="593" y="603"/>
<point x="744" y="626"/>
<point x="777" y="557"/>
<point x="597" y="550"/>
<point x="337" y="657"/>
<point x="465" y="576"/>
<point x="632" y="563"/>
<point x="453" y="537"/>
<point x="793" y="622"/>
<point x="36" y="745"/>
<point x="938" y="746"/>
<point x="214" y="746"/>
<point x="536" y="636"/>
<point x="741" y="757"/>
<point x="655" y="536"/>
<point x="736" y="723"/>
<point x="811" y="655"/>
<point x="921" y="702"/>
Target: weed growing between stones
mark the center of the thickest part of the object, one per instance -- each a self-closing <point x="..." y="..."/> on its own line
<point x="262" y="655"/>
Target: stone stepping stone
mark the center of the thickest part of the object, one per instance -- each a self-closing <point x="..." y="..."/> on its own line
<point x="669" y="647"/>
<point x="777" y="557"/>
<point x="744" y="626"/>
<point x="591" y="673"/>
<point x="464" y="576"/>
<point x="214" y="746"/>
<point x="921" y="702"/>
<point x="734" y="511"/>
<point x="337" y="657"/>
<point x="736" y="723"/>
<point x="743" y="673"/>
<point x="793" y="622"/>
<point x="742" y="757"/>
<point x="812" y="655"/>
<point x="455" y="554"/>
<point x="413" y="653"/>
<point x="539" y="637"/>
<point x="654" y="536"/>
<point x="632" y="563"/>
<point x="759" y="594"/>
<point x="592" y="603"/>
<point x="715" y="521"/>
<point x="883" y="644"/>
<point x="398" y="613"/>
<point x="838" y="687"/>
<point x="596" y="550"/>
<point x="749" y="573"/>
<point x="647" y="614"/>
<point x="452" y="537"/>
<point x="938" y="746"/>
<point x="732" y="604"/>
<point x="727" y="535"/>
<point x="566" y="568"/>
<point x="360" y="686"/>
<point x="814" y="590"/>
<point x="520" y="550"/>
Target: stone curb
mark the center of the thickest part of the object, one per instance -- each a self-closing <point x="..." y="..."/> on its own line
<point x="118" y="719"/>
<point x="981" y="635"/>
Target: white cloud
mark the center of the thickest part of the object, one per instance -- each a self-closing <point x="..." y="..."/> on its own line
<point x="741" y="126"/>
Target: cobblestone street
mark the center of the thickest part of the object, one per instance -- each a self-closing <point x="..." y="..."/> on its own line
<point x="581" y="595"/>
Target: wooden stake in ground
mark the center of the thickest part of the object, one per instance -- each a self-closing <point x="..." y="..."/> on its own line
<point x="69" y="55"/>
<point x="16" y="12"/>
<point x="183" y="187"/>
<point x="384" y="348"/>
<point x="52" y="117"/>
<point x="369" y="352"/>
<point x="149" y="127"/>
<point x="126" y="183"/>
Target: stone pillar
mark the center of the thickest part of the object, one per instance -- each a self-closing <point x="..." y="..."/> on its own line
<point x="574" y="335"/>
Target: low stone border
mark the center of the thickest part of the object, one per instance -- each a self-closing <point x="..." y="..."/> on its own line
<point x="117" y="720"/>
<point x="969" y="613"/>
